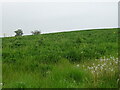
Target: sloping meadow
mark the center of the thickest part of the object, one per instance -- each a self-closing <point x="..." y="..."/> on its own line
<point x="79" y="59"/>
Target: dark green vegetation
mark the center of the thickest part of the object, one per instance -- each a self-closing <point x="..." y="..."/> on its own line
<point x="49" y="60"/>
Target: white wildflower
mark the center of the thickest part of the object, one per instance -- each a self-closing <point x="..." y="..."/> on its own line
<point x="113" y="59"/>
<point x="91" y="67"/>
<point x="96" y="68"/>
<point x="93" y="71"/>
<point x="88" y="67"/>
<point x="98" y="65"/>
<point x="107" y="58"/>
<point x="112" y="69"/>
<point x="104" y="59"/>
<point x="101" y="59"/>
<point x="104" y="64"/>
<point x="1" y="84"/>
<point x="78" y="65"/>
<point x="101" y="67"/>
<point x="116" y="62"/>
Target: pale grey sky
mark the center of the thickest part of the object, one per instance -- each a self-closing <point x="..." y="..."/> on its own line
<point x="59" y="0"/>
<point x="58" y="16"/>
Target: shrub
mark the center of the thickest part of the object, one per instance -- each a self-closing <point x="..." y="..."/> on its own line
<point x="36" y="32"/>
<point x="19" y="32"/>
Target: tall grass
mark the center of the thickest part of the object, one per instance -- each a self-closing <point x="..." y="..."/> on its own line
<point x="56" y="60"/>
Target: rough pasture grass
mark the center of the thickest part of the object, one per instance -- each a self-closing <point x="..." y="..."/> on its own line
<point x="56" y="60"/>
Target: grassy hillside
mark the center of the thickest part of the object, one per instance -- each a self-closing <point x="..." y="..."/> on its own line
<point x="79" y="59"/>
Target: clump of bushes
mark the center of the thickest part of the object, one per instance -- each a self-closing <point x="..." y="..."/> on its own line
<point x="36" y="32"/>
<point x="19" y="32"/>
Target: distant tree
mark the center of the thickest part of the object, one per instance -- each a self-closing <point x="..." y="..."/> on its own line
<point x="36" y="32"/>
<point x="19" y="32"/>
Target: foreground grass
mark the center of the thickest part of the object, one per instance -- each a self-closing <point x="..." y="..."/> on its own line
<point x="61" y="60"/>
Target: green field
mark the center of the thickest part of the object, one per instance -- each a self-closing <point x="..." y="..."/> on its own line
<point x="77" y="59"/>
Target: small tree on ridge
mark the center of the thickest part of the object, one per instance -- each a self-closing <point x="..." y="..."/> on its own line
<point x="19" y="32"/>
<point x="36" y="32"/>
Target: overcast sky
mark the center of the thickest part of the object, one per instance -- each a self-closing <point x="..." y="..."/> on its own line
<point x="58" y="16"/>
